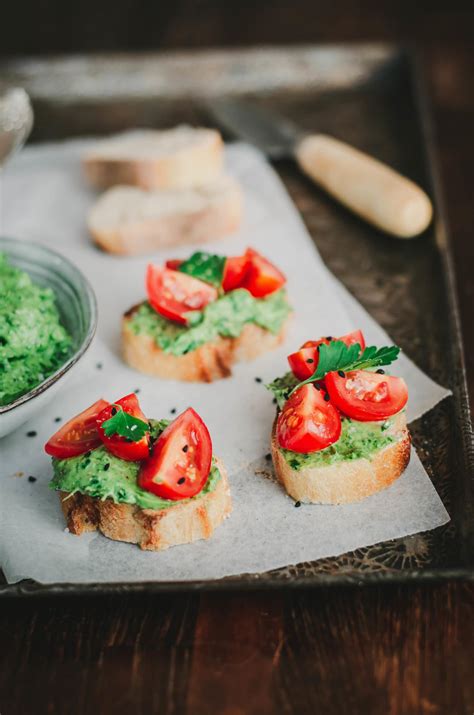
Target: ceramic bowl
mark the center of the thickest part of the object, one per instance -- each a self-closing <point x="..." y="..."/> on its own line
<point x="78" y="312"/>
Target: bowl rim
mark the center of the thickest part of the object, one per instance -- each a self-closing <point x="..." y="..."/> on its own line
<point x="82" y="348"/>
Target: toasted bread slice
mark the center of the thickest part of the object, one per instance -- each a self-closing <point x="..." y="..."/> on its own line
<point x="151" y="529"/>
<point x="178" y="158"/>
<point x="129" y="220"/>
<point x="209" y="362"/>
<point x="349" y="481"/>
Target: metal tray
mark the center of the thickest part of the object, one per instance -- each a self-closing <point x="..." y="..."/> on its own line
<point x="371" y="96"/>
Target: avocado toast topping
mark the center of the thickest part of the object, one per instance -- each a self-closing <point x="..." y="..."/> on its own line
<point x="174" y="492"/>
<point x="340" y="433"/>
<point x="205" y="313"/>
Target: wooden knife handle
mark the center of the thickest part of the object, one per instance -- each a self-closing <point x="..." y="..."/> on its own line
<point x="371" y="189"/>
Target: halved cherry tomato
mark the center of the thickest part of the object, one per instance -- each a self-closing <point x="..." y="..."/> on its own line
<point x="173" y="263"/>
<point x="130" y="451"/>
<point x="234" y="272"/>
<point x="307" y="422"/>
<point x="261" y="277"/>
<point x="350" y="339"/>
<point x="304" y="362"/>
<point x="181" y="459"/>
<point x="367" y="396"/>
<point x="77" y="436"/>
<point x="173" y="294"/>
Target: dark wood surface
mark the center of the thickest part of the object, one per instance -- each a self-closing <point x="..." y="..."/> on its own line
<point x="386" y="649"/>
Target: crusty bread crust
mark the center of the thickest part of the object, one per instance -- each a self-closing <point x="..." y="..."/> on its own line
<point x="193" y="165"/>
<point x="213" y="221"/>
<point x="209" y="362"/>
<point x="152" y="530"/>
<point x="346" y="482"/>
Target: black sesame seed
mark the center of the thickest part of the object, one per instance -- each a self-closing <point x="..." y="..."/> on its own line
<point x="310" y="360"/>
<point x="381" y="372"/>
<point x="318" y="387"/>
<point x="31" y="433"/>
<point x="274" y="400"/>
<point x="326" y="397"/>
<point x="258" y="379"/>
<point x="173" y="410"/>
<point x="185" y="448"/>
<point x="136" y="390"/>
<point x="181" y="480"/>
<point x="32" y="479"/>
<point x="341" y="373"/>
<point x="329" y="337"/>
<point x="99" y="366"/>
<point x="268" y="456"/>
<point x="114" y="410"/>
<point x="106" y="466"/>
<point x="297" y="503"/>
<point x="57" y="419"/>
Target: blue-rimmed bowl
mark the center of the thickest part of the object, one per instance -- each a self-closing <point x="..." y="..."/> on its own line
<point x="77" y="307"/>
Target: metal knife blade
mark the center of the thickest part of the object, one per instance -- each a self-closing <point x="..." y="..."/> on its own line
<point x="275" y="135"/>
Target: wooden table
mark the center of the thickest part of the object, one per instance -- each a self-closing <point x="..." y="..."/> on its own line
<point x="381" y="649"/>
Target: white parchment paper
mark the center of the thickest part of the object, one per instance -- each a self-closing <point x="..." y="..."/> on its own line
<point x="44" y="198"/>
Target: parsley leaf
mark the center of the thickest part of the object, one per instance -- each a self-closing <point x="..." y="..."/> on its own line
<point x="338" y="356"/>
<point x="208" y="267"/>
<point x="125" y="425"/>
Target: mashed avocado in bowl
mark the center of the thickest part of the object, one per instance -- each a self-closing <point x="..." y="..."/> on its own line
<point x="48" y="317"/>
<point x="33" y="342"/>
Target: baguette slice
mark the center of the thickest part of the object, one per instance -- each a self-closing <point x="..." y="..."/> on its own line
<point x="349" y="481"/>
<point x="209" y="362"/>
<point x="128" y="220"/>
<point x="151" y="529"/>
<point x="178" y="158"/>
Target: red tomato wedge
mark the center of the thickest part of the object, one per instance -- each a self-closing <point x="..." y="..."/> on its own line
<point x="180" y="462"/>
<point x="120" y="446"/>
<point x="261" y="277"/>
<point x="77" y="436"/>
<point x="350" y="339"/>
<point x="173" y="263"/>
<point x="173" y="294"/>
<point x="367" y="396"/>
<point x="307" y="422"/>
<point x="235" y="269"/>
<point x="304" y="362"/>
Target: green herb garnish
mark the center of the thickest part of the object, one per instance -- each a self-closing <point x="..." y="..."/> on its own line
<point x="339" y="356"/>
<point x="125" y="425"/>
<point x="207" y="267"/>
<point x="335" y="356"/>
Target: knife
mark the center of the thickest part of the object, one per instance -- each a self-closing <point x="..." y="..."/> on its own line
<point x="374" y="191"/>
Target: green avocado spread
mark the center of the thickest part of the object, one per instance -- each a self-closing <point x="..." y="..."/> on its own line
<point x="358" y="440"/>
<point x="33" y="343"/>
<point x="226" y="317"/>
<point x="89" y="474"/>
